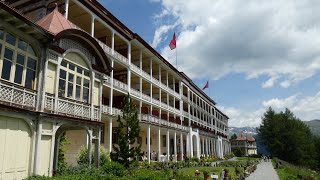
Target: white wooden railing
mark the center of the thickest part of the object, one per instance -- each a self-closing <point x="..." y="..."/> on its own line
<point x="156" y="101"/>
<point x="135" y="68"/>
<point x="164" y="105"/>
<point x="17" y="96"/>
<point x="145" y="75"/>
<point x="153" y="119"/>
<point x="120" y="85"/>
<point x="146" y="97"/>
<point x="135" y="92"/>
<point x="71" y="108"/>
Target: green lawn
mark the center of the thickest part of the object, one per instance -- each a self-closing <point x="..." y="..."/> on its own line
<point x="246" y="158"/>
<point x="289" y="171"/>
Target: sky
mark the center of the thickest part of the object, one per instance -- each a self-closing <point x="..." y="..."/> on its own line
<point x="255" y="54"/>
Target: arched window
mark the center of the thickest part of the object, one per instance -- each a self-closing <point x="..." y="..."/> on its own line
<point x="74" y="79"/>
<point x="18" y="62"/>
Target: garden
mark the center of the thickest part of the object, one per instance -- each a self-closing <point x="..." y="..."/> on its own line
<point x="192" y="168"/>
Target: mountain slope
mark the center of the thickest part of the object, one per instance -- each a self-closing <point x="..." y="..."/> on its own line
<point x="314" y="126"/>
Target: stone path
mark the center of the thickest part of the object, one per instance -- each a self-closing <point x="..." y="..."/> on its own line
<point x="265" y="171"/>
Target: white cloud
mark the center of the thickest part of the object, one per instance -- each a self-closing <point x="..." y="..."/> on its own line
<point x="304" y="107"/>
<point x="240" y="118"/>
<point x="279" y="39"/>
<point x="158" y="35"/>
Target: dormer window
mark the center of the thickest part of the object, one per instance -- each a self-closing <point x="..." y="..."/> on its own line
<point x="18" y="62"/>
<point x="74" y="79"/>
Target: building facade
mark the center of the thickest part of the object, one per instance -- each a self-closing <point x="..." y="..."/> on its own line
<point x="65" y="67"/>
<point x="246" y="144"/>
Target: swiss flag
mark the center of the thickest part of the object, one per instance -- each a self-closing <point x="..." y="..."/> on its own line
<point x="172" y="44"/>
<point x="206" y="86"/>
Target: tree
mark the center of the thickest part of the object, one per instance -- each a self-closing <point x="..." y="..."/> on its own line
<point x="287" y="137"/>
<point x="238" y="152"/>
<point x="234" y="136"/>
<point x="128" y="132"/>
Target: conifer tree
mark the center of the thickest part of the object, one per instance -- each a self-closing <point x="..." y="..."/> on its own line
<point x="128" y="132"/>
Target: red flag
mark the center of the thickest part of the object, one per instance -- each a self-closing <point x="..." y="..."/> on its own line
<point x="172" y="44"/>
<point x="206" y="86"/>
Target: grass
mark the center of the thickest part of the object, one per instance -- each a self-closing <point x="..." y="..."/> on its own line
<point x="246" y="158"/>
<point x="289" y="171"/>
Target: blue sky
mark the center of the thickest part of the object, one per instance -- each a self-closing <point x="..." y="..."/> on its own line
<point x="254" y="54"/>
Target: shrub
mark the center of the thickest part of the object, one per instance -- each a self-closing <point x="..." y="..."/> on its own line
<point x="114" y="169"/>
<point x="82" y="158"/>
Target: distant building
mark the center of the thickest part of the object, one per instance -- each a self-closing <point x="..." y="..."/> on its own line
<point x="246" y="143"/>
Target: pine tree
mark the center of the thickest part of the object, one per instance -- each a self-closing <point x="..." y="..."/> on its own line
<point x="128" y="132"/>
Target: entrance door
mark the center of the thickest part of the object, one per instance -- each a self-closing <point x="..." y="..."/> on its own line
<point x="15" y="146"/>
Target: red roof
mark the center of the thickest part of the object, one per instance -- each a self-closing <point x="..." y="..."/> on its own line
<point x="55" y="22"/>
<point x="240" y="137"/>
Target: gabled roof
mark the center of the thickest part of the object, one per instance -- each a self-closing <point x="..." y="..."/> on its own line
<point x="240" y="137"/>
<point x="55" y="22"/>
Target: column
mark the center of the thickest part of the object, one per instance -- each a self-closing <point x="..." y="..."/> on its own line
<point x="110" y="135"/>
<point x="202" y="152"/>
<point x="159" y="144"/>
<point x="168" y="145"/>
<point x="181" y="146"/>
<point x="175" y="146"/>
<point x="148" y="143"/>
<point x="37" y="149"/>
<point x="92" y="25"/>
<point x="97" y="146"/>
<point x="89" y="146"/>
<point x="66" y="9"/>
<point x="112" y="43"/>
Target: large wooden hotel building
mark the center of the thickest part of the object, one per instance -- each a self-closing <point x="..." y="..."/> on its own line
<point x="65" y="67"/>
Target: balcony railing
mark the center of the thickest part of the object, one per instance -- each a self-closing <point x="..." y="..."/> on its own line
<point x="121" y="58"/>
<point x="184" y="98"/>
<point x="120" y="85"/>
<point x="153" y="119"/>
<point x="135" y="68"/>
<point x="145" y="75"/>
<point x="17" y="96"/>
<point x="146" y="97"/>
<point x="155" y="81"/>
<point x="156" y="101"/>
<point x="185" y="113"/>
<point x="135" y="92"/>
<point x="113" y="112"/>
<point x="71" y="108"/>
<point x="164" y="105"/>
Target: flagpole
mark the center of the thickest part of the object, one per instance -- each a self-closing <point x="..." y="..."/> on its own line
<point x="176" y="57"/>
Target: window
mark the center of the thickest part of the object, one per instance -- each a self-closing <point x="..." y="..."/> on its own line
<point x="18" y="63"/>
<point x="74" y="82"/>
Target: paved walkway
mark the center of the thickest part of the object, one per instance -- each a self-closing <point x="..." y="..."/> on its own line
<point x="265" y="171"/>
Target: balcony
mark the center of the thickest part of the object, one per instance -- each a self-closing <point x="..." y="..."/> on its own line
<point x="146" y="97"/>
<point x="17" y="96"/>
<point x="145" y="75"/>
<point x="120" y="85"/>
<point x="135" y="92"/>
<point x="156" y="102"/>
<point x="114" y="112"/>
<point x="120" y="58"/>
<point x="164" y="105"/>
<point x="155" y="120"/>
<point x="184" y="98"/>
<point x="155" y="81"/>
<point x="71" y="108"/>
<point x="184" y="113"/>
<point x="135" y="68"/>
